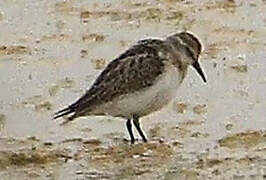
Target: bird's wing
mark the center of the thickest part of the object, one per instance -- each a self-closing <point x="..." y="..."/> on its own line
<point x="123" y="76"/>
<point x="133" y="70"/>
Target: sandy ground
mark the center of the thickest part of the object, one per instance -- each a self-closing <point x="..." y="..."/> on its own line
<point x="51" y="51"/>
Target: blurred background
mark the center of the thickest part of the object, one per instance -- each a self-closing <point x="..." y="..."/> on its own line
<point x="52" y="51"/>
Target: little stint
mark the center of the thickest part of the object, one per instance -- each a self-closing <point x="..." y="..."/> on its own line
<point x="140" y="81"/>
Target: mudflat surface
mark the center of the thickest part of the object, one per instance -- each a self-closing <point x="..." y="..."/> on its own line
<point x="51" y="52"/>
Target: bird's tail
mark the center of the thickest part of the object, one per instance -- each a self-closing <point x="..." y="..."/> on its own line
<point x="64" y="112"/>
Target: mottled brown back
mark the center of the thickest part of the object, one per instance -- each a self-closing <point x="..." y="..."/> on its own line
<point x="136" y="69"/>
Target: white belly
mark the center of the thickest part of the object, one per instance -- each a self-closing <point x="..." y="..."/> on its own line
<point x="147" y="101"/>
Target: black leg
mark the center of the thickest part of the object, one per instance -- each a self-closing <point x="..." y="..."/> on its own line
<point x="129" y="128"/>
<point x="136" y="123"/>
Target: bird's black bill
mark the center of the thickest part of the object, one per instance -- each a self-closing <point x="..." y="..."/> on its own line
<point x="196" y="65"/>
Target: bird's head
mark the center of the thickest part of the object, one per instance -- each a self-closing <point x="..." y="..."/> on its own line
<point x="190" y="48"/>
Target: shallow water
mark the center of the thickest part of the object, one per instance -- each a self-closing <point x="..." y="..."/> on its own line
<point x="51" y="52"/>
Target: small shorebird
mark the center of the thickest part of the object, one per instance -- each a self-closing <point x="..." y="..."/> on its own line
<point x="140" y="81"/>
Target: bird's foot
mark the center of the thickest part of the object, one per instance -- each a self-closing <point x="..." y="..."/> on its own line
<point x="133" y="141"/>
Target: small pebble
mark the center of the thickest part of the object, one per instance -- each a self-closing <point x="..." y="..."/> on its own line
<point x="48" y="143"/>
<point x="181" y="107"/>
<point x="79" y="172"/>
<point x="200" y="108"/>
<point x="229" y="126"/>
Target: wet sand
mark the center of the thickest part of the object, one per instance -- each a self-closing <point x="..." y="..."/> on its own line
<point x="51" y="52"/>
